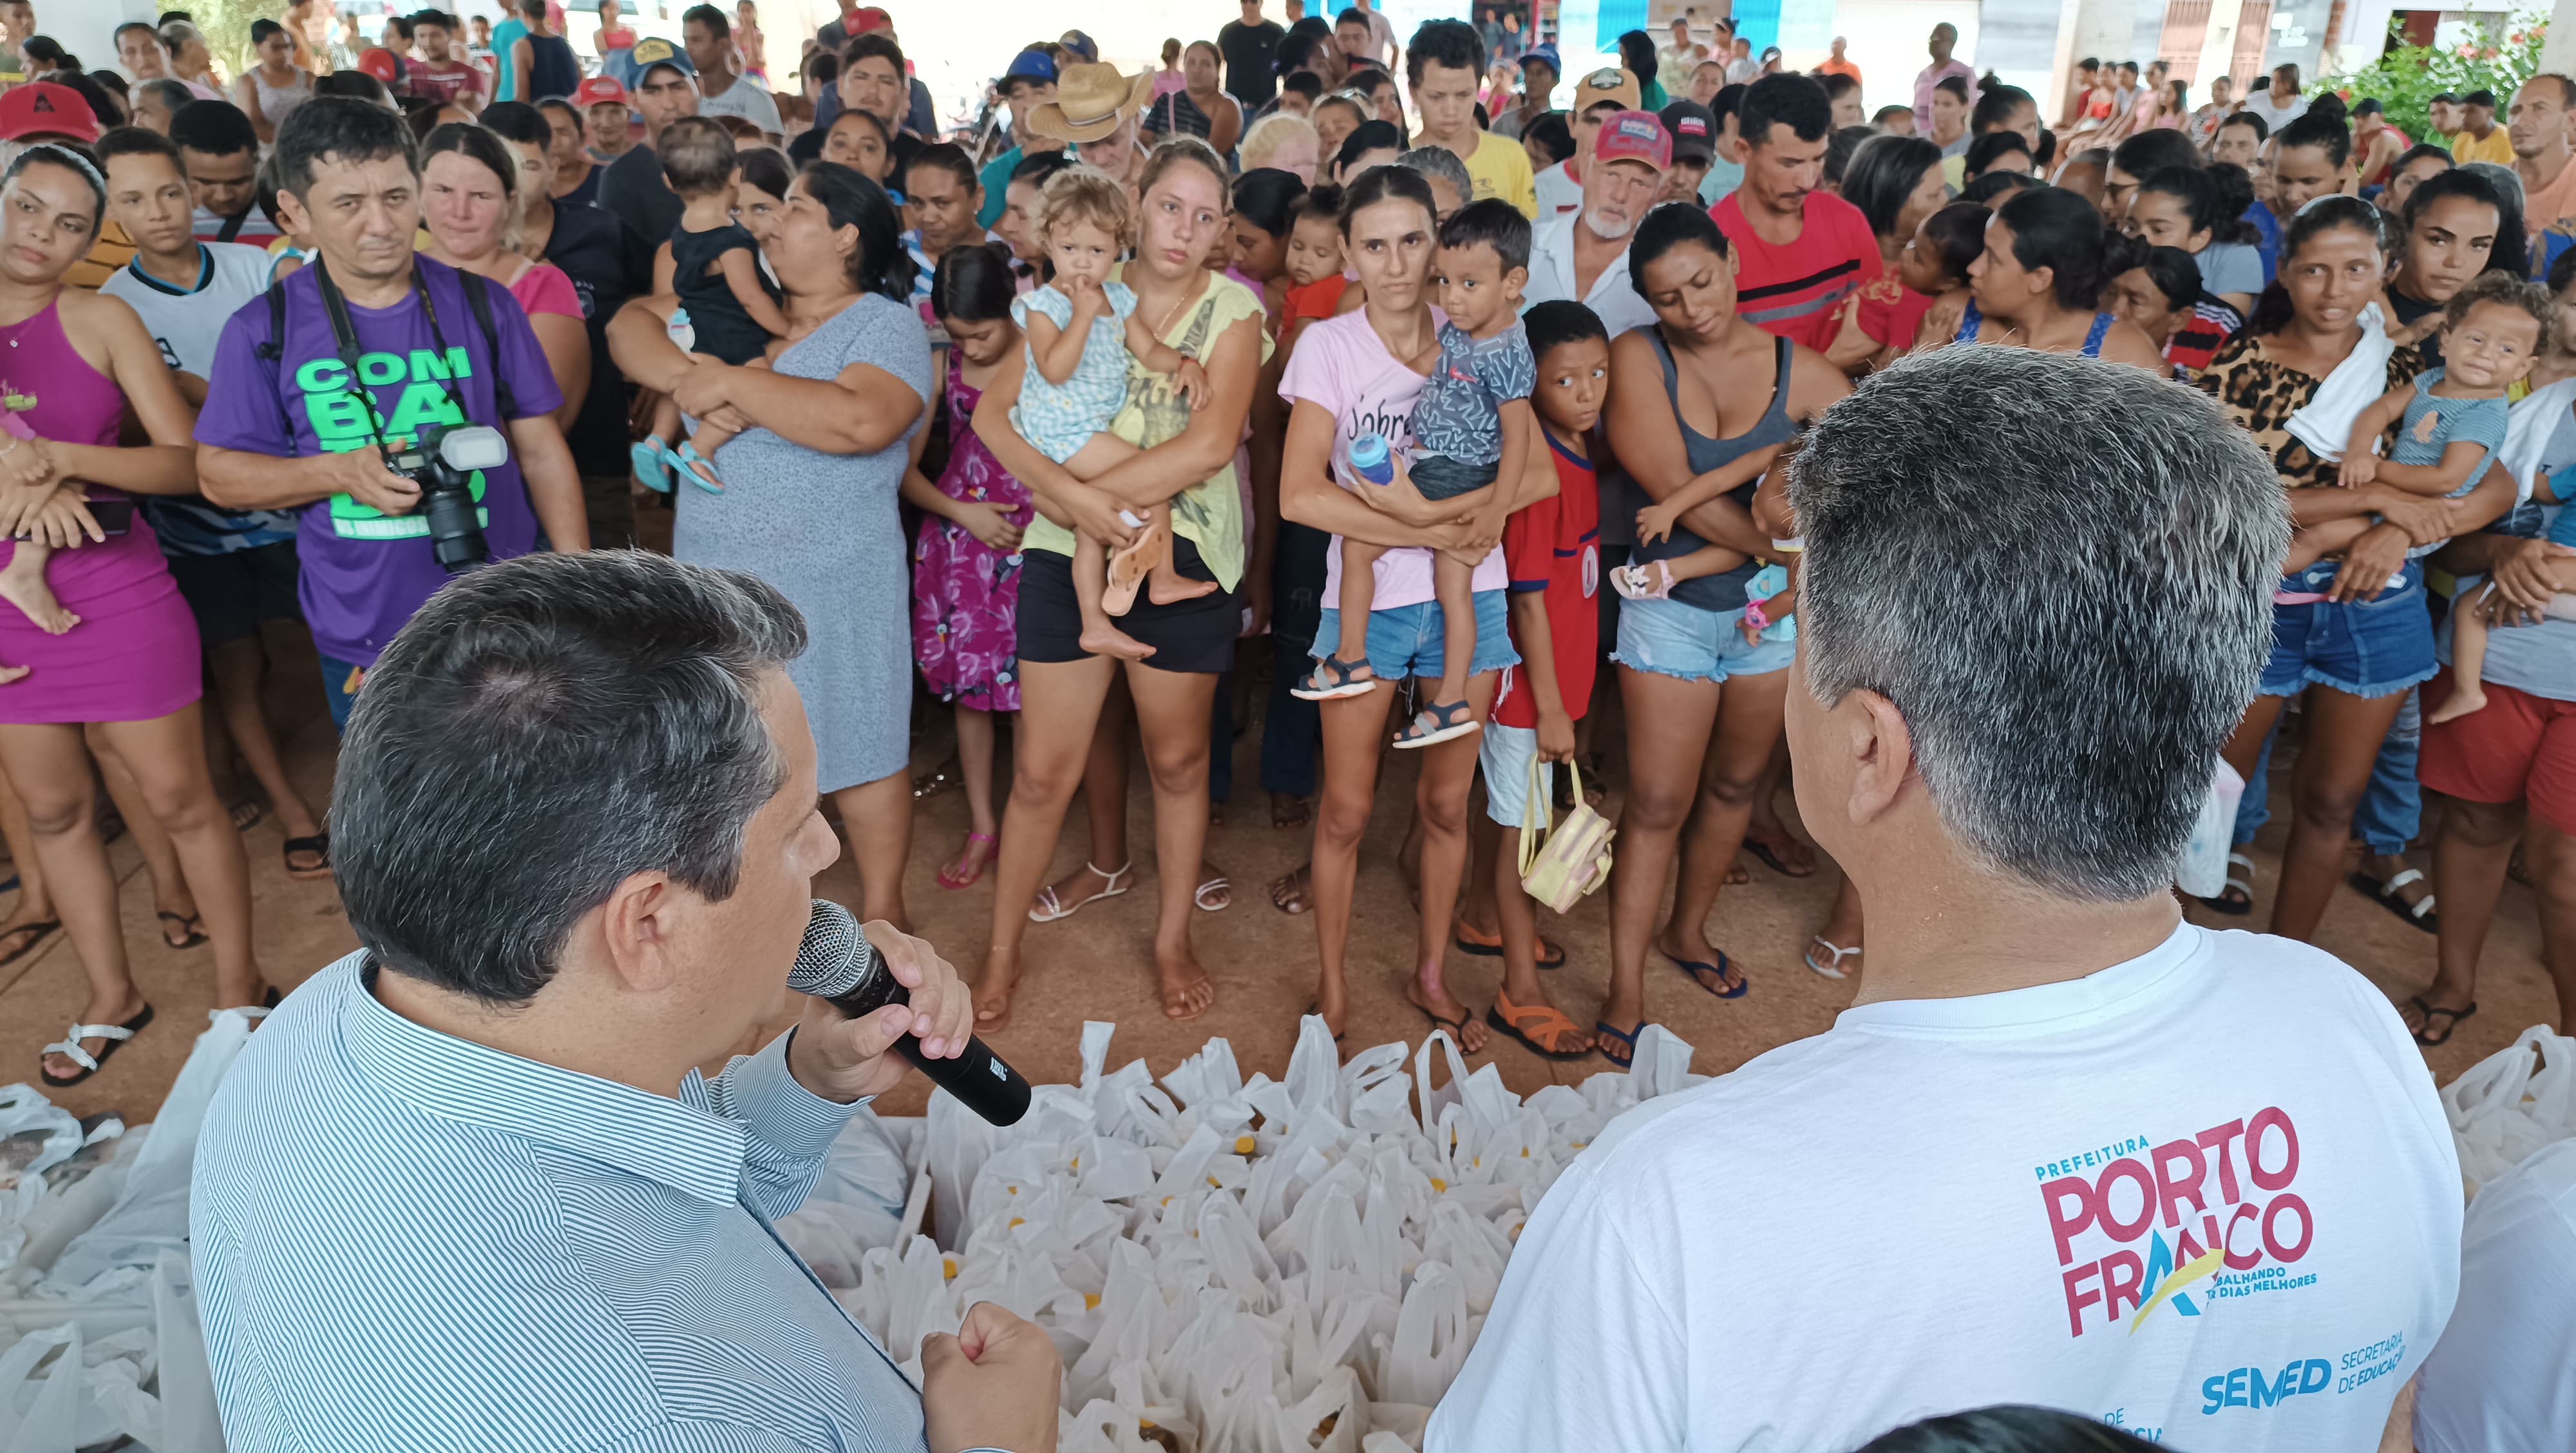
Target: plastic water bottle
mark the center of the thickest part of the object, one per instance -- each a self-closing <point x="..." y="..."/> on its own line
<point x="1372" y="459"/>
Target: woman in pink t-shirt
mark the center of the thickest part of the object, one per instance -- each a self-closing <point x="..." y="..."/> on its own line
<point x="469" y="184"/>
<point x="1351" y="376"/>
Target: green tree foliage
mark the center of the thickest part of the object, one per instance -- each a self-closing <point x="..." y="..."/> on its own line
<point x="2405" y="80"/>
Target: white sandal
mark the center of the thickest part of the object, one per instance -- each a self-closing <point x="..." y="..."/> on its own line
<point x="70" y="1047"/>
<point x="1833" y="968"/>
<point x="1633" y="582"/>
<point x="1049" y="908"/>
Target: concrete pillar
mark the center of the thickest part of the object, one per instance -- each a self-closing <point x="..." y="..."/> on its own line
<point x="2558" y="51"/>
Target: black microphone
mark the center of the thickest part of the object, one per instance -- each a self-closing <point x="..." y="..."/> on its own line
<point x="836" y="962"/>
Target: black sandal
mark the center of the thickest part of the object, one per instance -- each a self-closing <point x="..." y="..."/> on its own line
<point x="2420" y="914"/>
<point x="319" y="845"/>
<point x="2424" y="1035"/>
<point x="188" y="925"/>
<point x="115" y="1034"/>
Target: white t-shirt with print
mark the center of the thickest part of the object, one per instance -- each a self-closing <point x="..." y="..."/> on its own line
<point x="2500" y="1381"/>
<point x="2207" y="1195"/>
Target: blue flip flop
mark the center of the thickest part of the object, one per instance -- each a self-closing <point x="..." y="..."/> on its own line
<point x="645" y="456"/>
<point x="1696" y="968"/>
<point x="1602" y="1028"/>
<point x="685" y="461"/>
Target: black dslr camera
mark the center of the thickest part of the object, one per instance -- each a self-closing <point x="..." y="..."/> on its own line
<point x="442" y="461"/>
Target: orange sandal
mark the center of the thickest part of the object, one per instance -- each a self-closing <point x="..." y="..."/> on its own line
<point x="1548" y="1029"/>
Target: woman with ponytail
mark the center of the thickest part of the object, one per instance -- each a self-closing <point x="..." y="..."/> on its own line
<point x="827" y="433"/>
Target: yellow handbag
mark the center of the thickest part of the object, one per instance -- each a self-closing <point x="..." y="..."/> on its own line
<point x="1576" y="860"/>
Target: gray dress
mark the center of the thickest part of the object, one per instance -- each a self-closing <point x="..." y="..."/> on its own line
<point x="822" y="529"/>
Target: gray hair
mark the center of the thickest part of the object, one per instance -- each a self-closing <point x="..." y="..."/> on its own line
<point x="173" y="94"/>
<point x="1441" y="162"/>
<point x="2060" y="571"/>
<point x="543" y="729"/>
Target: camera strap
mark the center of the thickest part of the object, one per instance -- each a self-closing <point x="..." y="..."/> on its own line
<point x="345" y="336"/>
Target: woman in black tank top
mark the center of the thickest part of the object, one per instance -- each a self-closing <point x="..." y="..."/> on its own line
<point x="1701" y="405"/>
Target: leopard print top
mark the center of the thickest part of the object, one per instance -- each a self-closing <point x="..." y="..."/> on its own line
<point x="2261" y="394"/>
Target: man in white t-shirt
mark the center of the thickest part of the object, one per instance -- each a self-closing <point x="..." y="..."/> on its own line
<point x="235" y="568"/>
<point x="2499" y="1380"/>
<point x="709" y="39"/>
<point x="2066" y="1149"/>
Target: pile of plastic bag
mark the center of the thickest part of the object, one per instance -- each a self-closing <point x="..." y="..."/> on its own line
<point x="99" y="1338"/>
<point x="1243" y="1266"/>
<point x="2512" y="1103"/>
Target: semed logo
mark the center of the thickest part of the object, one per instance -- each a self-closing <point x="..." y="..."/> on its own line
<point x="2252" y="1387"/>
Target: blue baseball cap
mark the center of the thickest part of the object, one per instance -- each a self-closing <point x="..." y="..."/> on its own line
<point x="1082" y="45"/>
<point x="1546" y="53"/>
<point x="653" y="51"/>
<point x="1030" y="65"/>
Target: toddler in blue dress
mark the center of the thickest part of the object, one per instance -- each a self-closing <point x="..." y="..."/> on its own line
<point x="1082" y="330"/>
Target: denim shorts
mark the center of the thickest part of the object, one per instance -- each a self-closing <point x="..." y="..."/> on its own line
<point x="1404" y="640"/>
<point x="1669" y="638"/>
<point x="2367" y="648"/>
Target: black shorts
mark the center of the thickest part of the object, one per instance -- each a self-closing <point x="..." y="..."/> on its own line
<point x="230" y="594"/>
<point x="1193" y="636"/>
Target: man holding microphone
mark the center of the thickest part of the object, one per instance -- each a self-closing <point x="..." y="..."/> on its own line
<point x="467" y="1188"/>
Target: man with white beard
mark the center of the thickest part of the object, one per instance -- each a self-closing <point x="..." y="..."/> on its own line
<point x="1582" y="256"/>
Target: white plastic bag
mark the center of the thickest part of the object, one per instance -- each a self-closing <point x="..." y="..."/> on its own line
<point x="150" y="1217"/>
<point x="2202" y="871"/>
<point x="2512" y="1103"/>
<point x="50" y="1419"/>
<point x="857" y="1203"/>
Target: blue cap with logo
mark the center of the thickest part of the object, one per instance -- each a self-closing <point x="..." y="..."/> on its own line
<point x="1031" y="65"/>
<point x="653" y="51"/>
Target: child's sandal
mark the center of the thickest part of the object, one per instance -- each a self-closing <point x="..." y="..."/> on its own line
<point x="1632" y="581"/>
<point x="1332" y="678"/>
<point x="687" y="460"/>
<point x="1438" y="722"/>
<point x="646" y="457"/>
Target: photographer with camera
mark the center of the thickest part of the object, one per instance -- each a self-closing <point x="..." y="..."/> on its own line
<point x="401" y="407"/>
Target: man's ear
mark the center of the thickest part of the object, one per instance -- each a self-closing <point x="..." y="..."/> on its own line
<point x="638" y="931"/>
<point x="1883" y="753"/>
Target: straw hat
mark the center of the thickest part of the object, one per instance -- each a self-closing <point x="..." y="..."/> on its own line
<point x="1090" y="101"/>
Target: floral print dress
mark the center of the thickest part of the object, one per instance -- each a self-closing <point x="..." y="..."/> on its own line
<point x="965" y="594"/>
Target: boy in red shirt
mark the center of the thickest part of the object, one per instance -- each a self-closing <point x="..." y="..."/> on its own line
<point x="1553" y="551"/>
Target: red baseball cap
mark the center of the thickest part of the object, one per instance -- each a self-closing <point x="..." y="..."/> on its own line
<point x="1634" y="136"/>
<point x="44" y="108"/>
<point x="867" y="18"/>
<point x="598" y="91"/>
<point x="381" y="63"/>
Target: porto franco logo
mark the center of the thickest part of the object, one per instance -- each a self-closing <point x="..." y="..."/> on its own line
<point x="2203" y="1218"/>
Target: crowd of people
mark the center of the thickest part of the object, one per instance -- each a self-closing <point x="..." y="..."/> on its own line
<point x="1656" y="432"/>
<point x="1063" y="419"/>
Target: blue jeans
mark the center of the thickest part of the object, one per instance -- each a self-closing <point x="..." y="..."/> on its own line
<point x="1292" y="731"/>
<point x="2392" y="809"/>
<point x="1405" y="640"/>
<point x="2366" y="648"/>
<point x="335" y="691"/>
<point x="1669" y="638"/>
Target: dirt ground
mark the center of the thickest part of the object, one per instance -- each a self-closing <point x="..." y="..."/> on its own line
<point x="1096" y="965"/>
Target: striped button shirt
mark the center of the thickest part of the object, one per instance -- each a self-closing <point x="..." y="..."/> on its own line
<point x="404" y="1240"/>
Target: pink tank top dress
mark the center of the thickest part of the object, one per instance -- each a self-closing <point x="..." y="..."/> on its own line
<point x="133" y="657"/>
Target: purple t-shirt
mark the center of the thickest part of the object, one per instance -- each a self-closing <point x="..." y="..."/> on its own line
<point x="365" y="573"/>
